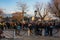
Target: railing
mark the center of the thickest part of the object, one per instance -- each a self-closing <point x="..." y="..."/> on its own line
<point x="10" y="33"/>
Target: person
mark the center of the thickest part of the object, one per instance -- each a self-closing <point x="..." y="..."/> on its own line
<point x="46" y="29"/>
<point x="8" y="25"/>
<point x="37" y="29"/>
<point x="15" y="28"/>
<point x="23" y="25"/>
<point x="26" y="26"/>
<point x="18" y="28"/>
<point x="51" y="29"/>
<point x="4" y="25"/>
<point x="29" y="29"/>
<point x="1" y="26"/>
<point x="42" y="29"/>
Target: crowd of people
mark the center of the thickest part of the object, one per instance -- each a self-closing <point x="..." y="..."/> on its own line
<point x="38" y="28"/>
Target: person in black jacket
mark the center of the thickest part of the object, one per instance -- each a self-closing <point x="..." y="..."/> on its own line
<point x="8" y="25"/>
<point x="37" y="26"/>
<point x="47" y="29"/>
<point x="51" y="29"/>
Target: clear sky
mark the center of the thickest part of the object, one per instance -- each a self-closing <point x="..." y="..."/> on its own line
<point x="11" y="5"/>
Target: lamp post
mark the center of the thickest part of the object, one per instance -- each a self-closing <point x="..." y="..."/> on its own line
<point x="35" y="13"/>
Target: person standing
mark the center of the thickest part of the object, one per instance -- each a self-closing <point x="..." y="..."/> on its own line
<point x="51" y="29"/>
<point x="1" y="26"/>
<point x="18" y="28"/>
<point x="29" y="29"/>
<point x="8" y="25"/>
<point x="47" y="29"/>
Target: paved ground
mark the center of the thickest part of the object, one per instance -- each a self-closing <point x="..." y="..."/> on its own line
<point x="10" y="35"/>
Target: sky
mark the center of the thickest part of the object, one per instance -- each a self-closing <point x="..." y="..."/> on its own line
<point x="10" y="6"/>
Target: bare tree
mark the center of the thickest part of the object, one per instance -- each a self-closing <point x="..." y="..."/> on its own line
<point x="22" y="6"/>
<point x="55" y="7"/>
<point x="38" y="8"/>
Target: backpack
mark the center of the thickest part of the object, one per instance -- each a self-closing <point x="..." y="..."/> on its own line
<point x="18" y="27"/>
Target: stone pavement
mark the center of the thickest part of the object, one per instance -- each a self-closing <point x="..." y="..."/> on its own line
<point x="34" y="38"/>
<point x="10" y="36"/>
